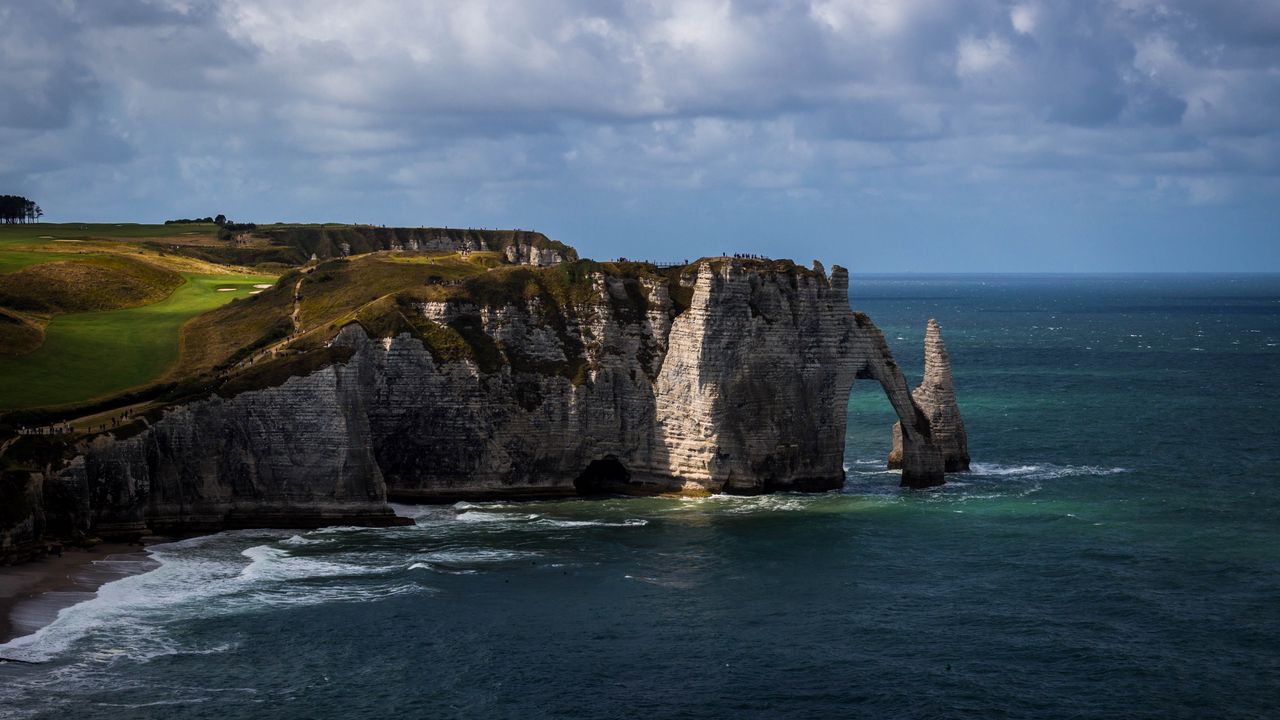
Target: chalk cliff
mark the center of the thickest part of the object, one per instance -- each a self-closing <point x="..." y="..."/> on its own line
<point x="520" y="247"/>
<point x="726" y="376"/>
<point x="936" y="398"/>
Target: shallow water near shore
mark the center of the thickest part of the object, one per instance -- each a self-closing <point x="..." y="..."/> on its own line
<point x="1114" y="553"/>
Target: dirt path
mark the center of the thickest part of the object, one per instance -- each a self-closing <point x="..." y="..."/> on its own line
<point x="297" y="305"/>
<point x="295" y="317"/>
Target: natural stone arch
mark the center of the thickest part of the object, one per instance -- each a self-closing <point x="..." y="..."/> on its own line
<point x="920" y="459"/>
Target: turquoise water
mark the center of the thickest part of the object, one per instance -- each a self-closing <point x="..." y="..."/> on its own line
<point x="1116" y="553"/>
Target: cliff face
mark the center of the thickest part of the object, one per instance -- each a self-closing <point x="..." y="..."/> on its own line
<point x="521" y="247"/>
<point x="298" y="454"/>
<point x="21" y="516"/>
<point x="736" y="378"/>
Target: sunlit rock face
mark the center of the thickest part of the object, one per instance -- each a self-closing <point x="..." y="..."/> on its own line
<point x="936" y="398"/>
<point x="735" y="377"/>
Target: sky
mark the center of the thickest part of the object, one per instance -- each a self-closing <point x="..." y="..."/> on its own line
<point x="883" y="135"/>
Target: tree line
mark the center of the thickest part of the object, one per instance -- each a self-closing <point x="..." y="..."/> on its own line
<point x="17" y="209"/>
<point x="221" y="221"/>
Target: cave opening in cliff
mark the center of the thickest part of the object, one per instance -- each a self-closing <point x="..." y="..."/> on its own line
<point x="604" y="476"/>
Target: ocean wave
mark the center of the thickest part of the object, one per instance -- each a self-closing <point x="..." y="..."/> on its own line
<point x="629" y="522"/>
<point x="476" y="516"/>
<point x="122" y="615"/>
<point x="325" y="594"/>
<point x="984" y="481"/>
<point x="739" y="504"/>
<point x="203" y="577"/>
<point x="468" y="561"/>
<point x="505" y="516"/>
<point x="771" y="503"/>
<point x="462" y="556"/>
<point x="1047" y="471"/>
<point x="274" y="564"/>
<point x="301" y="540"/>
<point x="869" y="466"/>
<point x="1036" y="471"/>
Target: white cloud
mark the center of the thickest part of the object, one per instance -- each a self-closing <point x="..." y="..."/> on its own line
<point x="906" y="98"/>
<point x="882" y="17"/>
<point x="977" y="56"/>
<point x="1024" y="18"/>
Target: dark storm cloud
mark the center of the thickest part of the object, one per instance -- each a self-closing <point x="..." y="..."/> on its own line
<point x="41" y="83"/>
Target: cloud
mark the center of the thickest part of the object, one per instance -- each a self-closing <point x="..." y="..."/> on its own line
<point x="1024" y="18"/>
<point x="977" y="56"/>
<point x="288" y="106"/>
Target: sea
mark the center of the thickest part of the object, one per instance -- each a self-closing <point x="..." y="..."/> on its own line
<point x="1114" y="553"/>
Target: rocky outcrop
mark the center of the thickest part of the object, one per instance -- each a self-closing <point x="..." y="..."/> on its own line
<point x="936" y="398"/>
<point x="729" y="376"/>
<point x="528" y="254"/>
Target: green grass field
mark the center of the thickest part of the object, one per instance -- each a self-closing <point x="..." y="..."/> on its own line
<point x="31" y="244"/>
<point x="11" y="260"/>
<point x="39" y="233"/>
<point x="91" y="355"/>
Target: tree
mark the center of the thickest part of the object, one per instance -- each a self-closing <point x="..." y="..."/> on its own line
<point x="17" y="209"/>
<point x="220" y="220"/>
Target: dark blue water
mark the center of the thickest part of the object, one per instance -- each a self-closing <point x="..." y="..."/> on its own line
<point x="1116" y="553"/>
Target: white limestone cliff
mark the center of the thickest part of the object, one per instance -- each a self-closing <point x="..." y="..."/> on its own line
<point x="741" y="386"/>
<point x="936" y="398"/>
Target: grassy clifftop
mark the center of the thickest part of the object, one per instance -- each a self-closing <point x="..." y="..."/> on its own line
<point x="108" y="316"/>
<point x="87" y="309"/>
<point x="292" y="245"/>
<point x="91" y="309"/>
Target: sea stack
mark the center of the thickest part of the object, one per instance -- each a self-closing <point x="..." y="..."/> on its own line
<point x="936" y="399"/>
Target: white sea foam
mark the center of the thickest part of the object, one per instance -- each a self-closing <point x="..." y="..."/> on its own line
<point x="324" y="594"/>
<point x="629" y="522"/>
<point x="275" y="564"/>
<point x="739" y="504"/>
<point x="203" y="577"/>
<point x="476" y="516"/>
<point x="1001" y="470"/>
<point x="467" y="561"/>
<point x="467" y="556"/>
<point x="1042" y="472"/>
<point x="769" y="503"/>
<point x="301" y="540"/>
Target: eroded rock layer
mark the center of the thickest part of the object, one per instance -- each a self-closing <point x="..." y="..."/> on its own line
<point x="936" y="398"/>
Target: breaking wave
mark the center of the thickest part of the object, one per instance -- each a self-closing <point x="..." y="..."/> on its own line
<point x="629" y="522"/>
<point x="1046" y="471"/>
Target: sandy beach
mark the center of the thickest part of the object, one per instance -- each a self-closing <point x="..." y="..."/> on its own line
<point x="31" y="594"/>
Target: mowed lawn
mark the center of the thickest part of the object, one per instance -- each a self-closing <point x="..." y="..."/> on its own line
<point x="91" y="355"/>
